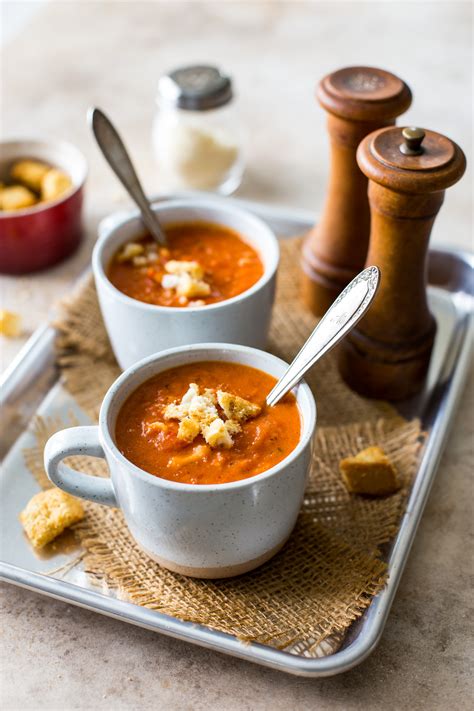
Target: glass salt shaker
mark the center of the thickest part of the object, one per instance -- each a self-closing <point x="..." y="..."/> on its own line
<point x="196" y="137"/>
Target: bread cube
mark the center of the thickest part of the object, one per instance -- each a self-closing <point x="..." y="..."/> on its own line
<point x="217" y="434"/>
<point x="194" y="269"/>
<point x="237" y="408"/>
<point x="54" y="184"/>
<point x="191" y="288"/>
<point x="10" y="324"/>
<point x="199" y="407"/>
<point x="129" y="251"/>
<point x="188" y="429"/>
<point x="370" y="472"/>
<point x="29" y="173"/>
<point x="48" y="514"/>
<point x="186" y="278"/>
<point x="16" y="197"/>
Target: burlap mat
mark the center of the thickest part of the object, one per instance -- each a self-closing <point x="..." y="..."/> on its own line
<point x="330" y="568"/>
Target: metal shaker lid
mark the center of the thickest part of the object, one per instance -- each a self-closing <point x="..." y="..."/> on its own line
<point x="195" y="88"/>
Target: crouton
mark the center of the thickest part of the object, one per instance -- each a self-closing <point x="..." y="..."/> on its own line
<point x="186" y="278"/>
<point x="217" y="434"/>
<point x="54" y="184"/>
<point x="47" y="515"/>
<point x="194" y="269"/>
<point x="370" y="472"/>
<point x="236" y="408"/>
<point x="29" y="173"/>
<point x="16" y="197"/>
<point x="10" y="324"/>
<point x="129" y="251"/>
<point x="140" y="261"/>
<point x="197" y="413"/>
<point x="233" y="427"/>
<point x="199" y="407"/>
<point x="188" y="429"/>
<point x="191" y="288"/>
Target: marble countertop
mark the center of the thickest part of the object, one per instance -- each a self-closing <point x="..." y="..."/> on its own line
<point x="69" y="56"/>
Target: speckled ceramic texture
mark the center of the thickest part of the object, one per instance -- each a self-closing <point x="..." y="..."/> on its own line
<point x="137" y="330"/>
<point x="214" y="530"/>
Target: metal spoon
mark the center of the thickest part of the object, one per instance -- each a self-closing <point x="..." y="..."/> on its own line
<point x="346" y="311"/>
<point x="117" y="157"/>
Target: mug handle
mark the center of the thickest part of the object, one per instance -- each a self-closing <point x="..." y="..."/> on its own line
<point x="78" y="440"/>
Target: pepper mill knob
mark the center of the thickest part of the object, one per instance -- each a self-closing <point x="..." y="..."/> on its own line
<point x="387" y="355"/>
<point x="358" y="100"/>
<point x="413" y="140"/>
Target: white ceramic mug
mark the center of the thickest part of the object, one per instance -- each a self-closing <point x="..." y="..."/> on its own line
<point x="207" y="531"/>
<point x="137" y="329"/>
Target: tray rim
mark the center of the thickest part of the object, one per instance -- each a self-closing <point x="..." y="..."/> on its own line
<point x="378" y="610"/>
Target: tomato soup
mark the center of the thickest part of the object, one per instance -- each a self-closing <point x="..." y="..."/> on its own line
<point x="148" y="433"/>
<point x="224" y="266"/>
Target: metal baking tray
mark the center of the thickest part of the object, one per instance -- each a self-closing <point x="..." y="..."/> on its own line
<point x="31" y="386"/>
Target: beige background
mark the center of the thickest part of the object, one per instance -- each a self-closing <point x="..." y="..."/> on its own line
<point x="71" y="55"/>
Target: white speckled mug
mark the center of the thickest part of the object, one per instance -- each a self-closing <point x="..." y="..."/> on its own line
<point x="207" y="531"/>
<point x="137" y="329"/>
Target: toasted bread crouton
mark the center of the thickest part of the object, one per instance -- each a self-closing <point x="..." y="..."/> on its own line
<point x="188" y="429"/>
<point x="203" y="409"/>
<point x="16" y="197"/>
<point x="233" y="427"/>
<point x="217" y="434"/>
<point x="197" y="414"/>
<point x="130" y="251"/>
<point x="199" y="407"/>
<point x="29" y="173"/>
<point x="186" y="278"/>
<point x="370" y="472"/>
<point x="48" y="513"/>
<point x="54" y="184"/>
<point x="192" y="288"/>
<point x="236" y="408"/>
<point x="178" y="410"/>
<point x="194" y="269"/>
<point x="10" y="324"/>
<point x="140" y="261"/>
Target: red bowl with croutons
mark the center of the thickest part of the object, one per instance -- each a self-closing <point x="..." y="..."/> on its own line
<point x="36" y="236"/>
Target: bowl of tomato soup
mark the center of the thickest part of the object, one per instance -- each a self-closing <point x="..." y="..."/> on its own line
<point x="214" y="281"/>
<point x="210" y="479"/>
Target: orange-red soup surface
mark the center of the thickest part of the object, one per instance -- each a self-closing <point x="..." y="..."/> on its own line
<point x="263" y="442"/>
<point x="230" y="265"/>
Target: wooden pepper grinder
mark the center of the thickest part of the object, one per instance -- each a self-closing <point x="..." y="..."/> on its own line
<point x="388" y="353"/>
<point x="358" y="101"/>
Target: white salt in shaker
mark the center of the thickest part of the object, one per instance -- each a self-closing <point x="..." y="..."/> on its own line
<point x="196" y="136"/>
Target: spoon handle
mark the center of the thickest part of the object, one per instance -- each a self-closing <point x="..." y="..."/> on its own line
<point x="117" y="157"/>
<point x="345" y="312"/>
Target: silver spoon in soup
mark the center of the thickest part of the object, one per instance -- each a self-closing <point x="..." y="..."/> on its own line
<point x="117" y="157"/>
<point x="341" y="317"/>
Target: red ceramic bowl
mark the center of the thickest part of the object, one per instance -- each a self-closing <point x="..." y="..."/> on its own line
<point x="37" y="237"/>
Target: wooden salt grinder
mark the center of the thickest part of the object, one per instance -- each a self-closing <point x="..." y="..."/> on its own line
<point x="388" y="353"/>
<point x="358" y="101"/>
